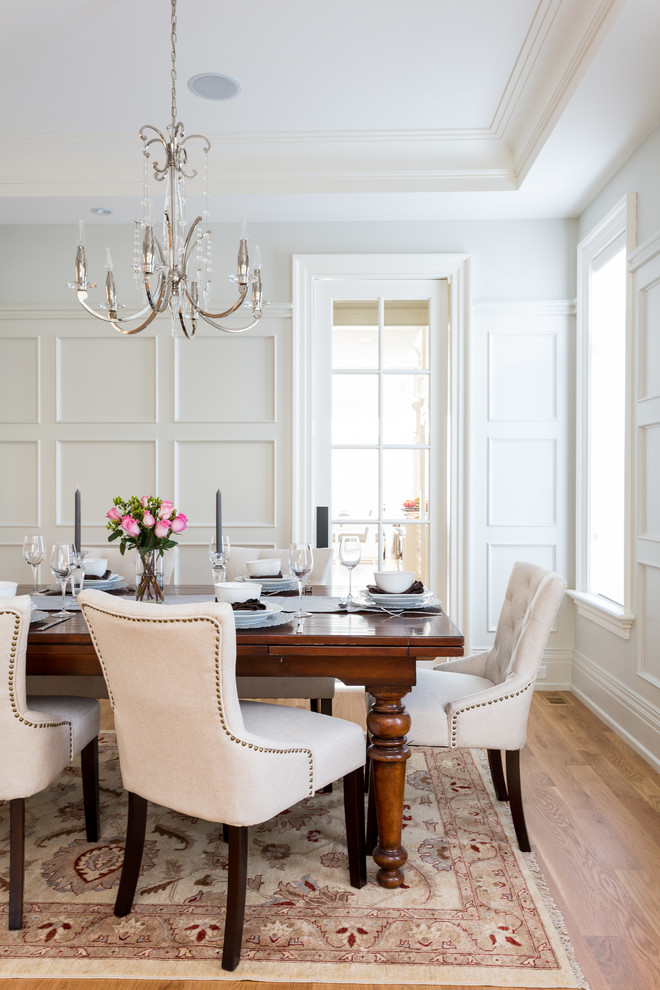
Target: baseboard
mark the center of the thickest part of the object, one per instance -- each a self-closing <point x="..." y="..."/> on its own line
<point x="624" y="711"/>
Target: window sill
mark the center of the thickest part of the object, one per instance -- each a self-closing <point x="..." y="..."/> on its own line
<point x="606" y="614"/>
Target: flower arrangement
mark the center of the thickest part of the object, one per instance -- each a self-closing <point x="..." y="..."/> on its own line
<point x="147" y="524"/>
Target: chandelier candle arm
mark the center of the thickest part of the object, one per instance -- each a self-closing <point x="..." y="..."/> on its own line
<point x="176" y="288"/>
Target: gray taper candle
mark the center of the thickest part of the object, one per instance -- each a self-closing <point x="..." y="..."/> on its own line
<point x="76" y="526"/>
<point x="218" y="521"/>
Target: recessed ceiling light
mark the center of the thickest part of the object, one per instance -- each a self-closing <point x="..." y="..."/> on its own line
<point x="214" y="86"/>
<point x="101" y="211"/>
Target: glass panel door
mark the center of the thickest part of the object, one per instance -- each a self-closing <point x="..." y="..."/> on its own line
<point x="381" y="374"/>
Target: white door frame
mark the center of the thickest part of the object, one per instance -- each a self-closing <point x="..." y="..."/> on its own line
<point x="311" y="268"/>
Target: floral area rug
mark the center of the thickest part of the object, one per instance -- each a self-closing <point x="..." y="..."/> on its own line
<point x="470" y="912"/>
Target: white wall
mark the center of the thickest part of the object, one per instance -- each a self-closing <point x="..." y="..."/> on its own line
<point x="511" y="263"/>
<point x="620" y="678"/>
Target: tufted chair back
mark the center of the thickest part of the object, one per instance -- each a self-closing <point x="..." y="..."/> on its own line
<point x="182" y="741"/>
<point x="529" y="609"/>
<point x="321" y="571"/>
<point x="34" y="746"/>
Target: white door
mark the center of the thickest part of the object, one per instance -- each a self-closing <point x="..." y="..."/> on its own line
<point x="380" y="406"/>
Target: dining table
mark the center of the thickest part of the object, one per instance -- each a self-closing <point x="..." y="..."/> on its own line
<point x="375" y="649"/>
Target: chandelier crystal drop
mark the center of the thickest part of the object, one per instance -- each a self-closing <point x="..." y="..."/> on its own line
<point x="177" y="273"/>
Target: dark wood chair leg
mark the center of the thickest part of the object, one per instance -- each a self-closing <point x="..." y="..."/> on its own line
<point x="497" y="774"/>
<point x="135" y="832"/>
<point x="236" y="889"/>
<point x="89" y="761"/>
<point x="314" y="705"/>
<point x="16" y="862"/>
<point x="372" y="818"/>
<point x="515" y="798"/>
<point x="326" y="709"/>
<point x="354" y="816"/>
<point x="367" y="764"/>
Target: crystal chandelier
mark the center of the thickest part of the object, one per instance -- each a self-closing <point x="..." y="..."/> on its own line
<point x="176" y="274"/>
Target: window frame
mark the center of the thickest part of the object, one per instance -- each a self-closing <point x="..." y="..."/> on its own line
<point x="618" y="223"/>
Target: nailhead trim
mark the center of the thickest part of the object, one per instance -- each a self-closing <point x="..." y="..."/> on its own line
<point x="481" y="704"/>
<point x="12" y="686"/>
<point x="201" y="618"/>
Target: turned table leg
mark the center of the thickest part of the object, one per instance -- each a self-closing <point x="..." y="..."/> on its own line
<point x="388" y="722"/>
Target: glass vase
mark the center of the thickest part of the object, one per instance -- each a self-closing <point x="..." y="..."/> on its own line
<point x="149" y="576"/>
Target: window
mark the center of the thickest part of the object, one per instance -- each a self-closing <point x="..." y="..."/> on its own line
<point x="601" y="524"/>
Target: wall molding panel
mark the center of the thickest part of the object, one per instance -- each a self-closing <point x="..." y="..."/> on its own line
<point x="87" y="408"/>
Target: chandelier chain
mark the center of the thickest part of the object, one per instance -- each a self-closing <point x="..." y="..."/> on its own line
<point x="173" y="72"/>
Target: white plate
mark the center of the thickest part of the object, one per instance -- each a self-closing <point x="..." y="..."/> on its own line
<point x="287" y="583"/>
<point x="100" y="584"/>
<point x="262" y="617"/>
<point x="382" y="598"/>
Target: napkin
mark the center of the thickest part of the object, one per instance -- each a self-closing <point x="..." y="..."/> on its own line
<point x="251" y="605"/>
<point x="416" y="588"/>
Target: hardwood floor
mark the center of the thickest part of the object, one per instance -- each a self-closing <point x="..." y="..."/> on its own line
<point x="593" y="815"/>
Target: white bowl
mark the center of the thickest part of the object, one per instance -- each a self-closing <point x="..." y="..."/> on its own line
<point x="8" y="589"/>
<point x="394" y="582"/>
<point x="236" y="591"/>
<point x="266" y="567"/>
<point x="95" y="566"/>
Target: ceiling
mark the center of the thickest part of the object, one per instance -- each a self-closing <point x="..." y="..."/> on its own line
<point x="349" y="109"/>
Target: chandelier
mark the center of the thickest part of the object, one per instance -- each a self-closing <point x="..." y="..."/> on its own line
<point x="177" y="273"/>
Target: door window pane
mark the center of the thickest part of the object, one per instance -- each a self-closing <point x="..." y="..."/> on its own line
<point x="354" y="409"/>
<point x="406" y="335"/>
<point x="405" y="484"/>
<point x="354" y="484"/>
<point x="354" y="335"/>
<point x="406" y="548"/>
<point x="405" y="409"/>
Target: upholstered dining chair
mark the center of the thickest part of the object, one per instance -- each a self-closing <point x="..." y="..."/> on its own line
<point x="319" y="690"/>
<point x="39" y="737"/>
<point x="483" y="701"/>
<point x="186" y="742"/>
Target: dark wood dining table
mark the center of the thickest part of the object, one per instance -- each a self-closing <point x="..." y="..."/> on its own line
<point x="372" y="649"/>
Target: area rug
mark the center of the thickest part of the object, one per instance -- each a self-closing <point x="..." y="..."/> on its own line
<point x="473" y="909"/>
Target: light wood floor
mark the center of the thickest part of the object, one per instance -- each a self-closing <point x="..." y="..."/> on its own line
<point x="593" y="813"/>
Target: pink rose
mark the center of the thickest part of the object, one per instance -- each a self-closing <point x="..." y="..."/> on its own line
<point x="166" y="510"/>
<point x="114" y="513"/>
<point x="144" y="501"/>
<point x="162" y="528"/>
<point x="130" y="526"/>
<point x="178" y="524"/>
<point x="148" y="520"/>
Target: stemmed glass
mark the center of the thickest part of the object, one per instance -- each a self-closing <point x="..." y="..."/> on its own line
<point x="350" y="554"/>
<point x="301" y="561"/>
<point x="219" y="558"/>
<point x="62" y="564"/>
<point x="34" y="552"/>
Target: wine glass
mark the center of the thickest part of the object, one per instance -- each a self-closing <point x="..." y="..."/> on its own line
<point x="62" y="564"/>
<point x="301" y="561"/>
<point x="350" y="555"/>
<point x="34" y="552"/>
<point x="78" y="573"/>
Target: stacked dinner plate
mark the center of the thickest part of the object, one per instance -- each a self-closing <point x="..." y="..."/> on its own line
<point x="272" y="615"/>
<point x="425" y="599"/>
<point x="105" y="584"/>
<point x="271" y="584"/>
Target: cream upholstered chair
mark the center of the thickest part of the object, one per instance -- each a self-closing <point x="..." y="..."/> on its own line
<point x="186" y="742"/>
<point x="483" y="701"/>
<point x="89" y="685"/>
<point x="319" y="690"/>
<point x="39" y="737"/>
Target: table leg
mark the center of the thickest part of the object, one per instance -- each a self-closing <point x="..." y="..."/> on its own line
<point x="388" y="722"/>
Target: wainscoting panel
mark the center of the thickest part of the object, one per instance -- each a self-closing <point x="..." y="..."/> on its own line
<point x="19" y="395"/>
<point x="520" y="494"/>
<point x="89" y="370"/>
<point x="225" y="380"/>
<point x="86" y="408"/>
